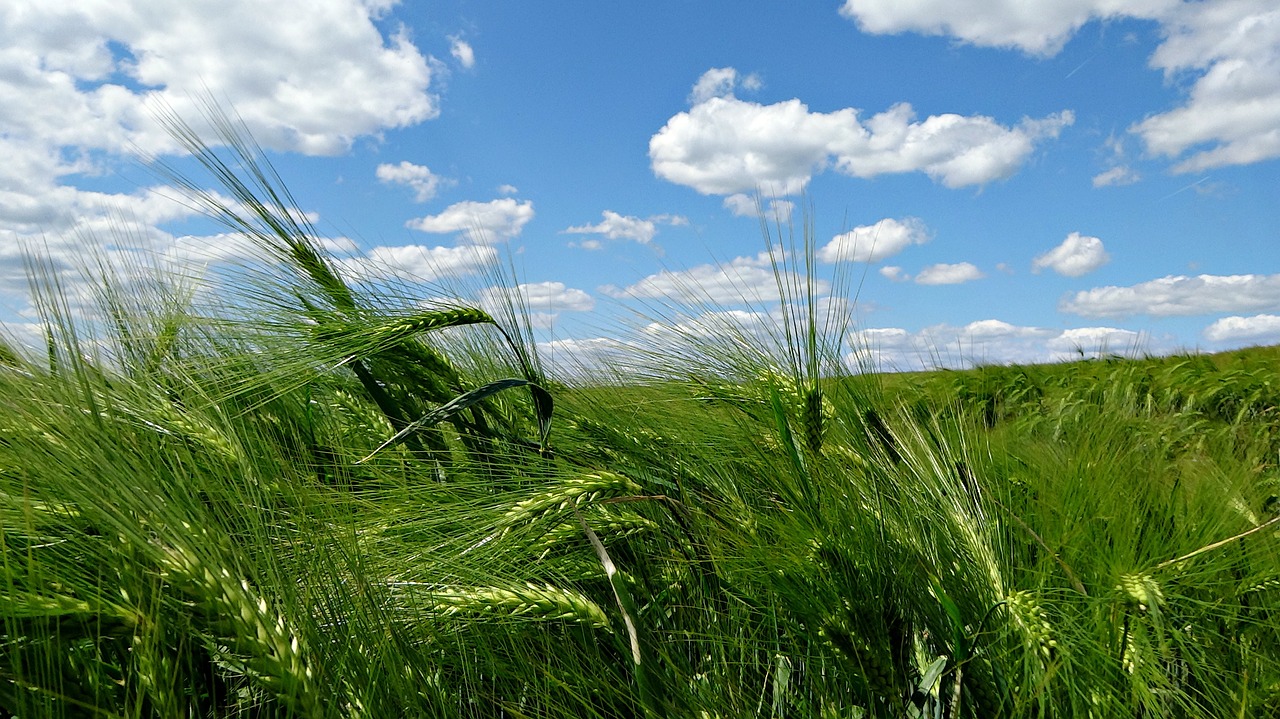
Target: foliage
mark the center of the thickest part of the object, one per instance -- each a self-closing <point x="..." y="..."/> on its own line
<point x="315" y="497"/>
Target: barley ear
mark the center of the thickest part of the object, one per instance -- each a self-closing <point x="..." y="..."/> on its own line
<point x="814" y="422"/>
<point x="275" y="657"/>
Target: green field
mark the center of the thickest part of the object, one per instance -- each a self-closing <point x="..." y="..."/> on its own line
<point x="305" y="496"/>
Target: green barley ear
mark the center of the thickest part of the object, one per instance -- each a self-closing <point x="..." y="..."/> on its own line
<point x="273" y="655"/>
<point x="878" y="431"/>
<point x="814" y="422"/>
<point x="613" y="524"/>
<point x="363" y="336"/>
<point x="569" y="494"/>
<point x="1142" y="591"/>
<point x="156" y="669"/>
<point x="875" y="668"/>
<point x="1032" y="623"/>
<point x="540" y="601"/>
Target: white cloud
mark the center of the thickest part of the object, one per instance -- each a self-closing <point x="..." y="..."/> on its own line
<point x="743" y="205"/>
<point x="1230" y="47"/>
<point x="1118" y="175"/>
<point x="879" y="339"/>
<point x="191" y="251"/>
<point x="462" y="52"/>
<point x="678" y="342"/>
<point x="1094" y="342"/>
<point x="1179" y="295"/>
<point x="986" y="341"/>
<point x="894" y="273"/>
<point x="80" y="82"/>
<point x="481" y="222"/>
<point x="992" y="329"/>
<point x="1078" y="255"/>
<point x="1039" y="28"/>
<point x="304" y="75"/>
<point x="718" y="323"/>
<point x="720" y="82"/>
<point x="625" y="227"/>
<point x="591" y="358"/>
<point x="948" y="274"/>
<point x="1119" y="172"/>
<point x="507" y="190"/>
<point x="1232" y="114"/>
<point x="872" y="243"/>
<point x="742" y="280"/>
<point x="956" y="150"/>
<point x="1258" y="328"/>
<point x="724" y="145"/>
<point x="716" y="82"/>
<point x="543" y="296"/>
<point x="420" y="178"/>
<point x="420" y="263"/>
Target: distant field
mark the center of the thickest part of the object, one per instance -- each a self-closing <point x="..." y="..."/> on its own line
<point x="307" y="497"/>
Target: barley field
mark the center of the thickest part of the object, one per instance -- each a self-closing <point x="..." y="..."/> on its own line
<point x="308" y="496"/>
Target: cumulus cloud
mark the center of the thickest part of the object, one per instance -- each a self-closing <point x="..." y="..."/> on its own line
<point x="1258" y="328"/>
<point x="462" y="52"/>
<point x="894" y="273"/>
<point x="721" y="82"/>
<point x="948" y="274"/>
<point x="1118" y="175"/>
<point x="1095" y="341"/>
<point x="1231" y="49"/>
<point x="1039" y="28"/>
<point x="420" y="262"/>
<point x="192" y="251"/>
<point x="985" y="342"/>
<point x="590" y="358"/>
<point x="872" y="243"/>
<point x="304" y="75"/>
<point x="1179" y="295"/>
<point x="743" y="205"/>
<point x="723" y="145"/>
<point x="1233" y="109"/>
<point x="881" y="339"/>
<point x="753" y="324"/>
<point x="542" y="296"/>
<point x="1078" y="255"/>
<point x="761" y="329"/>
<point x="625" y="227"/>
<point x="481" y="222"/>
<point x="991" y="329"/>
<point x="741" y="280"/>
<point x="1119" y="172"/>
<point x="420" y="178"/>
<point x="80" y="84"/>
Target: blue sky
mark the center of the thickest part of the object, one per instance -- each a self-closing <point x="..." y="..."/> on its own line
<point x="1003" y="180"/>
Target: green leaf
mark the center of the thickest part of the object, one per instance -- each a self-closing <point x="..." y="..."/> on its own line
<point x="541" y="399"/>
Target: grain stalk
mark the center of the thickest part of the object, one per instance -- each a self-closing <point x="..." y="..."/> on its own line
<point x="273" y="655"/>
<point x="528" y="600"/>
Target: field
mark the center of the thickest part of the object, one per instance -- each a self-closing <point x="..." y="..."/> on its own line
<point x="309" y="496"/>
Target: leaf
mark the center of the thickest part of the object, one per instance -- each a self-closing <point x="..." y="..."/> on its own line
<point x="932" y="674"/>
<point x="541" y="398"/>
<point x="543" y="405"/>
